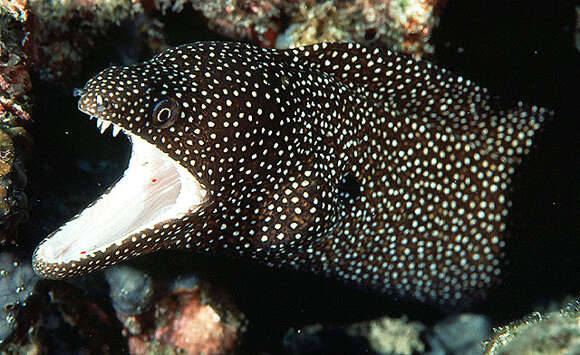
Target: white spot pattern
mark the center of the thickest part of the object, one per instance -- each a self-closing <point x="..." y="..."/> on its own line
<point x="360" y="164"/>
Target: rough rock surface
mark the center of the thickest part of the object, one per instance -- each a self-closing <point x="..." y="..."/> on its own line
<point x="17" y="284"/>
<point x="131" y="290"/>
<point x="187" y="319"/>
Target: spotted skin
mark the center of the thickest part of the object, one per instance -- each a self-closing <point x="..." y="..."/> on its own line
<point x="360" y="164"/>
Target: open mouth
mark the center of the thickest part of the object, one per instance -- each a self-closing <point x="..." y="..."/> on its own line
<point x="154" y="189"/>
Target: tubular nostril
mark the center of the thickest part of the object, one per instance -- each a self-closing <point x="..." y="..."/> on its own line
<point x="77" y="92"/>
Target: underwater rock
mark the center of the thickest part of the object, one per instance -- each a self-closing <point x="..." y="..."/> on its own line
<point x="79" y="322"/>
<point x="15" y="85"/>
<point x="399" y="24"/>
<point x="321" y="23"/>
<point x="187" y="320"/>
<point x="64" y="31"/>
<point x="390" y="335"/>
<point x="53" y="37"/>
<point x="17" y="283"/>
<point x="540" y="334"/>
<point x="461" y="334"/>
<point x="131" y="290"/>
<point x="385" y="335"/>
<point x="256" y="20"/>
<point x="15" y="147"/>
<point x="404" y="25"/>
<point x="15" y="108"/>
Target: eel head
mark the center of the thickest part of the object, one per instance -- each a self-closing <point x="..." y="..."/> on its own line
<point x="157" y="191"/>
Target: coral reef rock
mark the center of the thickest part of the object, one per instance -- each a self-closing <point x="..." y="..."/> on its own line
<point x="186" y="320"/>
<point x="379" y="336"/>
<point x="540" y="334"/>
<point x="403" y="25"/>
<point x="131" y="290"/>
<point x="461" y="334"/>
<point x="17" y="284"/>
<point x="15" y="108"/>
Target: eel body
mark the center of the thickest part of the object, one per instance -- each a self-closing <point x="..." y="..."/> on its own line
<point x="355" y="163"/>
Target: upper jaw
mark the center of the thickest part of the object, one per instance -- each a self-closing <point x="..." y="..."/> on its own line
<point x="94" y="105"/>
<point x="102" y="126"/>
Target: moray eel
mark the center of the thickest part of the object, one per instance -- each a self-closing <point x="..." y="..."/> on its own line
<point x="354" y="163"/>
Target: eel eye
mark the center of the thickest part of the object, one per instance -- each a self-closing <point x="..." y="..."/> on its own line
<point x="164" y="113"/>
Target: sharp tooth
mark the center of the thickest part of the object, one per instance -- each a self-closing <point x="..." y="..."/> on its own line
<point x="105" y="125"/>
<point x="116" y="130"/>
<point x="99" y="123"/>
